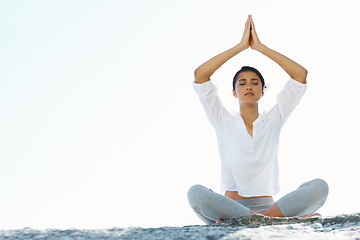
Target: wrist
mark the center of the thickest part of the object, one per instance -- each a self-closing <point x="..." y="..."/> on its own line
<point x="241" y="47"/>
<point x="261" y="48"/>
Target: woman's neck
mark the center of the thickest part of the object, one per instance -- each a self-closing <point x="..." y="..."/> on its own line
<point x="249" y="113"/>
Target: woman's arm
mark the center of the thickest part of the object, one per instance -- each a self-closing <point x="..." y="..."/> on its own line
<point x="204" y="72"/>
<point x="296" y="71"/>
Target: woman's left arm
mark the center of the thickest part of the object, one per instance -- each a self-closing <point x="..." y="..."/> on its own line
<point x="295" y="70"/>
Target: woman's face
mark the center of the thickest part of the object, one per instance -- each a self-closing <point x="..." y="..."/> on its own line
<point x="248" y="88"/>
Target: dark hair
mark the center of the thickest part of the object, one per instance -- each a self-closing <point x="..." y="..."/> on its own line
<point x="245" y="69"/>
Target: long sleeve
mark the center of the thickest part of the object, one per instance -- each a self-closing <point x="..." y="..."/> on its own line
<point x="287" y="100"/>
<point x="213" y="107"/>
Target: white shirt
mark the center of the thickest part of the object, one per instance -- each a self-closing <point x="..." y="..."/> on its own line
<point x="249" y="165"/>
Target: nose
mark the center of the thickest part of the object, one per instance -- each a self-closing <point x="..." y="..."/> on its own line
<point x="248" y="87"/>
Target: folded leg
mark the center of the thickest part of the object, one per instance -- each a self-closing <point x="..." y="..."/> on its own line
<point x="308" y="198"/>
<point x="210" y="206"/>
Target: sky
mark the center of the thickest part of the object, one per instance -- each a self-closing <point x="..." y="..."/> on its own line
<point x="100" y="126"/>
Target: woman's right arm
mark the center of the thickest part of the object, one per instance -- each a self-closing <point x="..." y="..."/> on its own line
<point x="204" y="72"/>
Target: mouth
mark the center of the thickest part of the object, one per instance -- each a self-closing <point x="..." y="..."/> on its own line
<point x="249" y="94"/>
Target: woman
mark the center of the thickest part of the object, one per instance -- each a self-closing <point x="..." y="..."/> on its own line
<point x="248" y="142"/>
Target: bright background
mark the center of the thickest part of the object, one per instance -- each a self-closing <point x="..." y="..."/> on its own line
<point x="99" y="124"/>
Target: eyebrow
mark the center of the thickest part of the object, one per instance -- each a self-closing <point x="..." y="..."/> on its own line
<point x="253" y="79"/>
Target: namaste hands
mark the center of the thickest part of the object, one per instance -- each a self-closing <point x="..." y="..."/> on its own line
<point x="250" y="38"/>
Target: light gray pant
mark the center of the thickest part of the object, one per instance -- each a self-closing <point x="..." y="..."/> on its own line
<point x="210" y="206"/>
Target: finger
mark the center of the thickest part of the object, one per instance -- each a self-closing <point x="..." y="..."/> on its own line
<point x="251" y="21"/>
<point x="252" y="25"/>
<point x="247" y="21"/>
<point x="247" y="25"/>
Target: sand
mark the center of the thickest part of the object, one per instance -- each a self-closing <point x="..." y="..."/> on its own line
<point x="338" y="227"/>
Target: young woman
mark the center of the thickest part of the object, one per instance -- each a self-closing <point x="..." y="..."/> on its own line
<point x="248" y="141"/>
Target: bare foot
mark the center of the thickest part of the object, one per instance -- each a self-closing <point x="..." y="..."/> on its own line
<point x="255" y="213"/>
<point x="310" y="215"/>
<point x="219" y="220"/>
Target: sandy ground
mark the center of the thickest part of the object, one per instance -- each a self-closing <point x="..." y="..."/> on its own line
<point x="340" y="227"/>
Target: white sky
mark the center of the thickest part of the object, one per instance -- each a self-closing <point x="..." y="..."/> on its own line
<point x="100" y="126"/>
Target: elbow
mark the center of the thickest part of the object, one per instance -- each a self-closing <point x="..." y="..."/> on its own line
<point x="196" y="73"/>
<point x="305" y="73"/>
<point x="200" y="77"/>
<point x="301" y="76"/>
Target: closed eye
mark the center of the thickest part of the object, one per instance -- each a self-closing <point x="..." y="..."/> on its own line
<point x="254" y="81"/>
